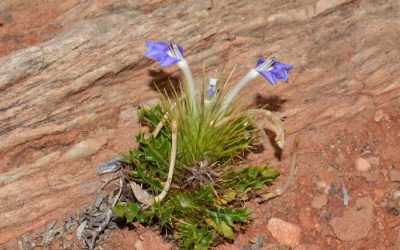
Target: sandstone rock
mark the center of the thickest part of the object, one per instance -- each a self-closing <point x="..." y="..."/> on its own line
<point x="362" y="165"/>
<point x="355" y="222"/>
<point x="83" y="149"/>
<point x="306" y="12"/>
<point x="78" y="72"/>
<point x="319" y="201"/>
<point x="40" y="164"/>
<point x="284" y="232"/>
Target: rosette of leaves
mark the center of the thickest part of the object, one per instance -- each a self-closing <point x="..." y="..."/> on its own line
<point x="205" y="199"/>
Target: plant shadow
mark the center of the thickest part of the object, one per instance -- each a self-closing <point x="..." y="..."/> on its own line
<point x="271" y="103"/>
<point x="277" y="149"/>
<point x="164" y="82"/>
<point x="259" y="148"/>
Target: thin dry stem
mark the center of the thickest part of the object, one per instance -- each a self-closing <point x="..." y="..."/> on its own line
<point x="142" y="195"/>
<point x="160" y="125"/>
<point x="273" y="123"/>
<point x="293" y="169"/>
<point x="161" y="196"/>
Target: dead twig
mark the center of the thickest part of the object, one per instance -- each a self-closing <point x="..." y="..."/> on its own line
<point x="293" y="169"/>
<point x="160" y="125"/>
<point x="108" y="181"/>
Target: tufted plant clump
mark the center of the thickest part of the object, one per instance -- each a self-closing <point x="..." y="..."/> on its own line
<point x="182" y="174"/>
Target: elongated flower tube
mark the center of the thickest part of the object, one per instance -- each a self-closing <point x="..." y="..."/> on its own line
<point x="271" y="70"/>
<point x="170" y="54"/>
<point x="212" y="87"/>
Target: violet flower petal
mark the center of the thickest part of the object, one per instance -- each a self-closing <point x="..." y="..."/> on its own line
<point x="280" y="74"/>
<point x="260" y="61"/>
<point x="166" y="55"/>
<point x="155" y="55"/>
<point x="269" y="76"/>
<point x="280" y="65"/>
<point x="157" y="45"/>
<point x="168" y="61"/>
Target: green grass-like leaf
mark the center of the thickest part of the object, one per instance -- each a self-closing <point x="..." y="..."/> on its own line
<point x="222" y="220"/>
<point x="249" y="177"/>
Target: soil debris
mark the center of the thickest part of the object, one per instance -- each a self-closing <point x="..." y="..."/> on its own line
<point x="256" y="243"/>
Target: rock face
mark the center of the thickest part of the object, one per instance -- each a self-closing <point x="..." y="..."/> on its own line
<point x="70" y="82"/>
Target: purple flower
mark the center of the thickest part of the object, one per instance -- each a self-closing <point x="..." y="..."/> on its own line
<point x="273" y="70"/>
<point x="166" y="55"/>
<point x="212" y="87"/>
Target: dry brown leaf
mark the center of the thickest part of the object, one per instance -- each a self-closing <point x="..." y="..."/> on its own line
<point x="272" y="122"/>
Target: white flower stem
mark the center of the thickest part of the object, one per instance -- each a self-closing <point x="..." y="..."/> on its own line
<point x="189" y="83"/>
<point x="236" y="89"/>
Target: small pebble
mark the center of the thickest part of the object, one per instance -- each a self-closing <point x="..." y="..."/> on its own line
<point x="379" y="192"/>
<point x="110" y="166"/>
<point x="396" y="194"/>
<point x="345" y="196"/>
<point x="394" y="211"/>
<point x="284" y="232"/>
<point x="332" y="189"/>
<point x="321" y="184"/>
<point x="362" y="165"/>
<point x="319" y="201"/>
<point x="379" y="115"/>
<point x="366" y="152"/>
<point x="328" y="216"/>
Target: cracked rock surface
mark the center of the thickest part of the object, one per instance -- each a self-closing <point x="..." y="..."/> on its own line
<point x="73" y="73"/>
